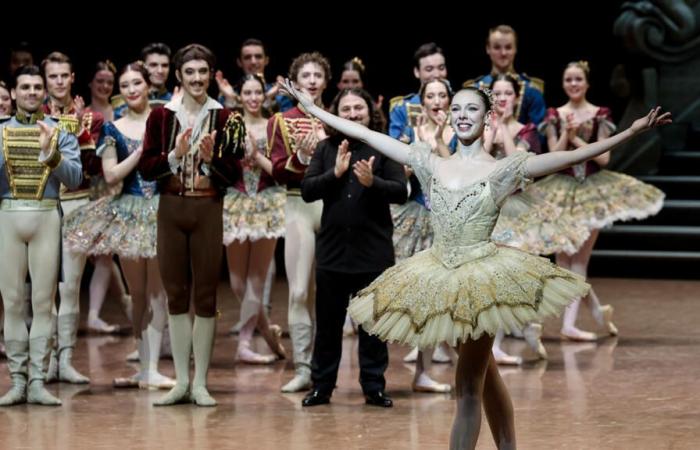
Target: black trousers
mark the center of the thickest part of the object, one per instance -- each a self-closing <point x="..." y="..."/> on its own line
<point x="333" y="293"/>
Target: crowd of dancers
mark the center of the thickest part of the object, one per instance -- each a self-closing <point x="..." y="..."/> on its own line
<point x="423" y="228"/>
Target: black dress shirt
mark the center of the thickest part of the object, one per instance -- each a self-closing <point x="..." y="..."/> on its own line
<point x="356" y="226"/>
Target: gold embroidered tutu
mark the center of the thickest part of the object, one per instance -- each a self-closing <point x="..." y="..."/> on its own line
<point x="420" y="302"/>
<point x="260" y="216"/>
<point x="412" y="230"/>
<point x="537" y="226"/>
<point x="599" y="199"/>
<point x="464" y="285"/>
<point x="124" y="225"/>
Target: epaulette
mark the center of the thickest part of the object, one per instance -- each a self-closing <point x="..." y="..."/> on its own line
<point x="68" y="123"/>
<point x="537" y="83"/>
<point x="395" y="101"/>
<point x="473" y="82"/>
<point x="117" y="100"/>
<point x="469" y="83"/>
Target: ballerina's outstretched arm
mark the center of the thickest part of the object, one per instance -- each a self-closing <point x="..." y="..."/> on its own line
<point x="392" y="148"/>
<point x="547" y="163"/>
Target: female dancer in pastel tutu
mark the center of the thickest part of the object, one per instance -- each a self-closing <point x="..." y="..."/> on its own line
<point x="253" y="215"/>
<point x="587" y="194"/>
<point x="125" y="224"/>
<point x="412" y="229"/>
<point x="465" y="287"/>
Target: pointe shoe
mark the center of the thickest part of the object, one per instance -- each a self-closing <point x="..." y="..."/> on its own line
<point x="155" y="380"/>
<point x="532" y="334"/>
<point x="247" y="356"/>
<point x="412" y="356"/>
<point x="133" y="356"/>
<point x="576" y="335"/>
<point x="607" y="313"/>
<point x="505" y="359"/>
<point x="275" y="342"/>
<point x="300" y="382"/>
<point x="440" y="356"/>
<point x="99" y="326"/>
<point x="428" y="385"/>
<point x="128" y="382"/>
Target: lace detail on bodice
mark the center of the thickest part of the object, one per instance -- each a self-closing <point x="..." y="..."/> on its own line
<point x="251" y="172"/>
<point x="251" y="178"/>
<point x="464" y="218"/>
<point x="148" y="188"/>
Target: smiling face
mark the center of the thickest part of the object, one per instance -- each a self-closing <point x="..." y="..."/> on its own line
<point x="134" y="89"/>
<point x="29" y="93"/>
<point x="504" y="96"/>
<point x="355" y="108"/>
<point x="435" y="99"/>
<point x="575" y="83"/>
<point x="468" y="112"/>
<point x="194" y="77"/>
<point x="252" y="96"/>
<point x="102" y="85"/>
<point x="430" y="68"/>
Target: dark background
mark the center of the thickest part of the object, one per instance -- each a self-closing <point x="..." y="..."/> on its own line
<point x="550" y="35"/>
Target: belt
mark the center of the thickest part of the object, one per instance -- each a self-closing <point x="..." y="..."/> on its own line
<point x="172" y="186"/>
<point x="293" y="191"/>
<point x="15" y="204"/>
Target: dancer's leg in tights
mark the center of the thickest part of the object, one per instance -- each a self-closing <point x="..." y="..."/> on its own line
<point x="259" y="255"/>
<point x="478" y="384"/>
<point x="98" y="291"/>
<point x="578" y="263"/>
<point x="117" y="288"/>
<point x="299" y="252"/>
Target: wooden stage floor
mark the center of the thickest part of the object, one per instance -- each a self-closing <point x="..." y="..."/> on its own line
<point x="638" y="391"/>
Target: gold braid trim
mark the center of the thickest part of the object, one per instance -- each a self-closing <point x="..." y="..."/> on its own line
<point x="234" y="133"/>
<point x="69" y="123"/>
<point x="55" y="157"/>
<point x="26" y="176"/>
